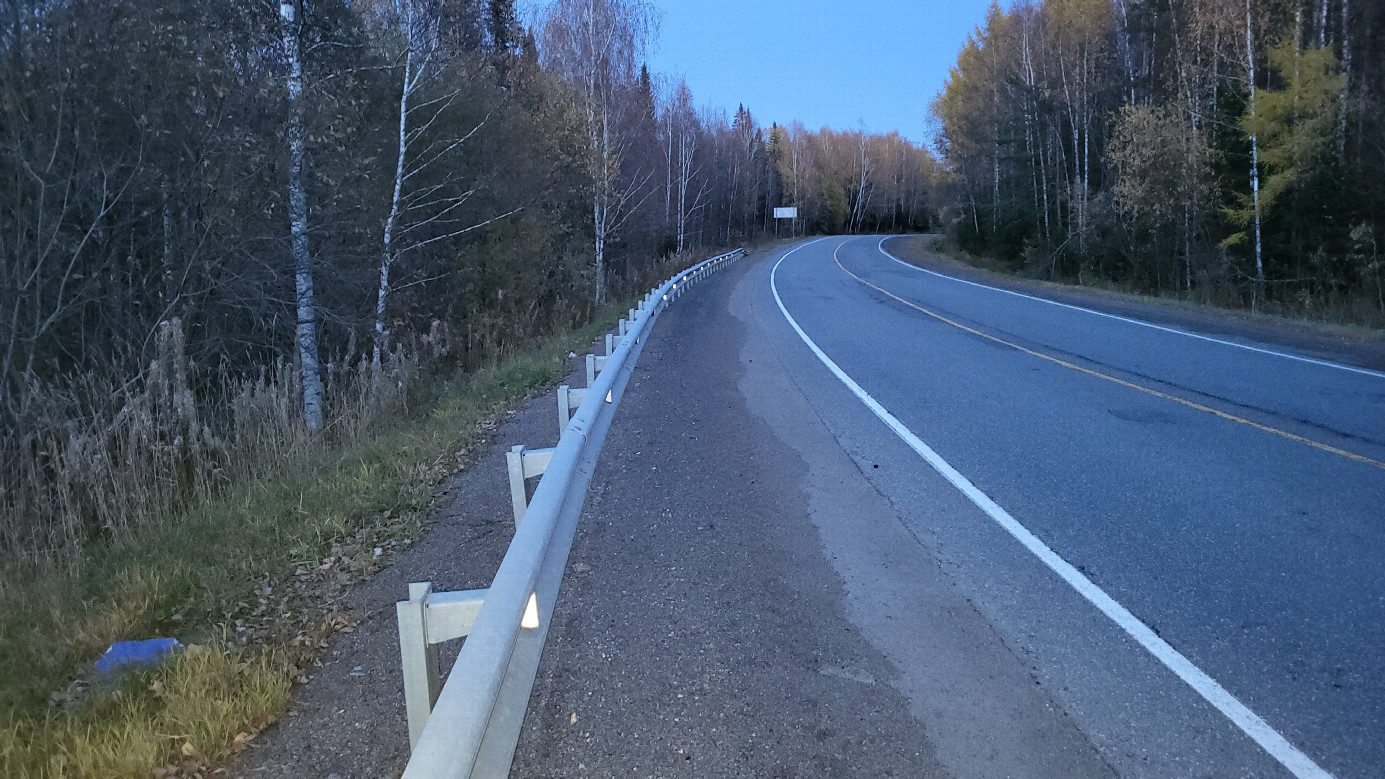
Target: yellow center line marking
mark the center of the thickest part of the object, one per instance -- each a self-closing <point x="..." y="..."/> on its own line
<point x="1107" y="377"/>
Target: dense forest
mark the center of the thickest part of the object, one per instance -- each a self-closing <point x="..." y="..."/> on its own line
<point x="1231" y="151"/>
<point x="229" y="230"/>
<point x="232" y="228"/>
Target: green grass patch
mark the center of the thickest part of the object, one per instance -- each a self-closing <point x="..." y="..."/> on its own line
<point x="232" y="578"/>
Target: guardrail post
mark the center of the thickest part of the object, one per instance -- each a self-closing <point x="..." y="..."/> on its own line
<point x="525" y="463"/>
<point x="419" y="658"/>
<point x="519" y="500"/>
<point x="427" y="619"/>
<point x="595" y="365"/>
<point x="610" y="344"/>
<point x="622" y="328"/>
<point x="568" y="400"/>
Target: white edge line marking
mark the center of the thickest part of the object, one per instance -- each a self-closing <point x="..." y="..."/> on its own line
<point x="1324" y="363"/>
<point x="1248" y="721"/>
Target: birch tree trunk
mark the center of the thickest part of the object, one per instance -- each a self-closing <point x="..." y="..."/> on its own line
<point x="391" y="222"/>
<point x="601" y="202"/>
<point x="421" y="214"/>
<point x="668" y="165"/>
<point x="858" y="214"/>
<point x="1346" y="82"/>
<point x="595" y="46"/>
<point x="306" y="330"/>
<point x="1029" y="123"/>
<point x="1123" y="40"/>
<point x="1084" y="209"/>
<point x="1074" y="197"/>
<point x="687" y="145"/>
<point x="1259" y="289"/>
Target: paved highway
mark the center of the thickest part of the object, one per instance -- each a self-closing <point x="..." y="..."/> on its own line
<point x="854" y="518"/>
<point x="1181" y="535"/>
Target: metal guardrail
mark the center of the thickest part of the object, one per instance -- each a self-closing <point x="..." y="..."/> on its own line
<point x="471" y="726"/>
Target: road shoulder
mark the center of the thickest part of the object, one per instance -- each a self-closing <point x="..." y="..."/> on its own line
<point x="1316" y="340"/>
<point x="348" y="720"/>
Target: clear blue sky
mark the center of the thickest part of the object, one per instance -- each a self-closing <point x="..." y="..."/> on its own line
<point x="827" y="63"/>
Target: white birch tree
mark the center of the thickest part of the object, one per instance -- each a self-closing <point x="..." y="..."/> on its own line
<point x="684" y="129"/>
<point x="421" y="214"/>
<point x="596" y="47"/>
<point x="1259" y="291"/>
<point x="863" y="181"/>
<point x="290" y="21"/>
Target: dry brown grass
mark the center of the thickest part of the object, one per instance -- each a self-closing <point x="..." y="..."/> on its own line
<point x="197" y="505"/>
<point x="89" y="460"/>
<point x="197" y="708"/>
<point x="130" y="512"/>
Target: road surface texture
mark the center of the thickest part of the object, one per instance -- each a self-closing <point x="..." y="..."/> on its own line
<point x="759" y="539"/>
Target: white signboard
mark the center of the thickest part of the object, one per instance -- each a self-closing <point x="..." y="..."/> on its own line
<point x="786" y="213"/>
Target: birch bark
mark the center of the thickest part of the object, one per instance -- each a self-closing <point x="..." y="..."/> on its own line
<point x="1346" y="82"/>
<point x="595" y="45"/>
<point x="306" y="330"/>
<point x="391" y="221"/>
<point x="1259" y="289"/>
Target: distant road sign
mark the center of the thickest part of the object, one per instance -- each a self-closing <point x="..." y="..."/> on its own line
<point x="786" y="213"/>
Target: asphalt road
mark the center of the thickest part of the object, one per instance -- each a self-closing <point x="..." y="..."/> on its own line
<point x="1227" y="497"/>
<point x="1140" y="552"/>
<point x="770" y="580"/>
<point x="742" y="601"/>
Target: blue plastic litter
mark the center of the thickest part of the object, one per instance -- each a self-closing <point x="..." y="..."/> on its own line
<point x="140" y="653"/>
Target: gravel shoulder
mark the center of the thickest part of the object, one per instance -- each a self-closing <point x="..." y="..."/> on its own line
<point x="348" y="719"/>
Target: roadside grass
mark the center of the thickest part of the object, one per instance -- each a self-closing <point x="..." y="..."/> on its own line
<point x="199" y="707"/>
<point x="243" y="579"/>
<point x="1346" y="321"/>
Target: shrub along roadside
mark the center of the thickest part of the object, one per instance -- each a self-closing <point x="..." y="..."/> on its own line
<point x="245" y="577"/>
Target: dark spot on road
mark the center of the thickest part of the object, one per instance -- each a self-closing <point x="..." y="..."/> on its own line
<point x="1144" y="416"/>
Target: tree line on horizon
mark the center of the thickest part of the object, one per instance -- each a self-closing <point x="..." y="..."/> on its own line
<point x="231" y="227"/>
<point x="1225" y="150"/>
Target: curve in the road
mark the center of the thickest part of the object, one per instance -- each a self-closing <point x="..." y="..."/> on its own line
<point x="1296" y="357"/>
<point x="1269" y="739"/>
<point x="1122" y="382"/>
